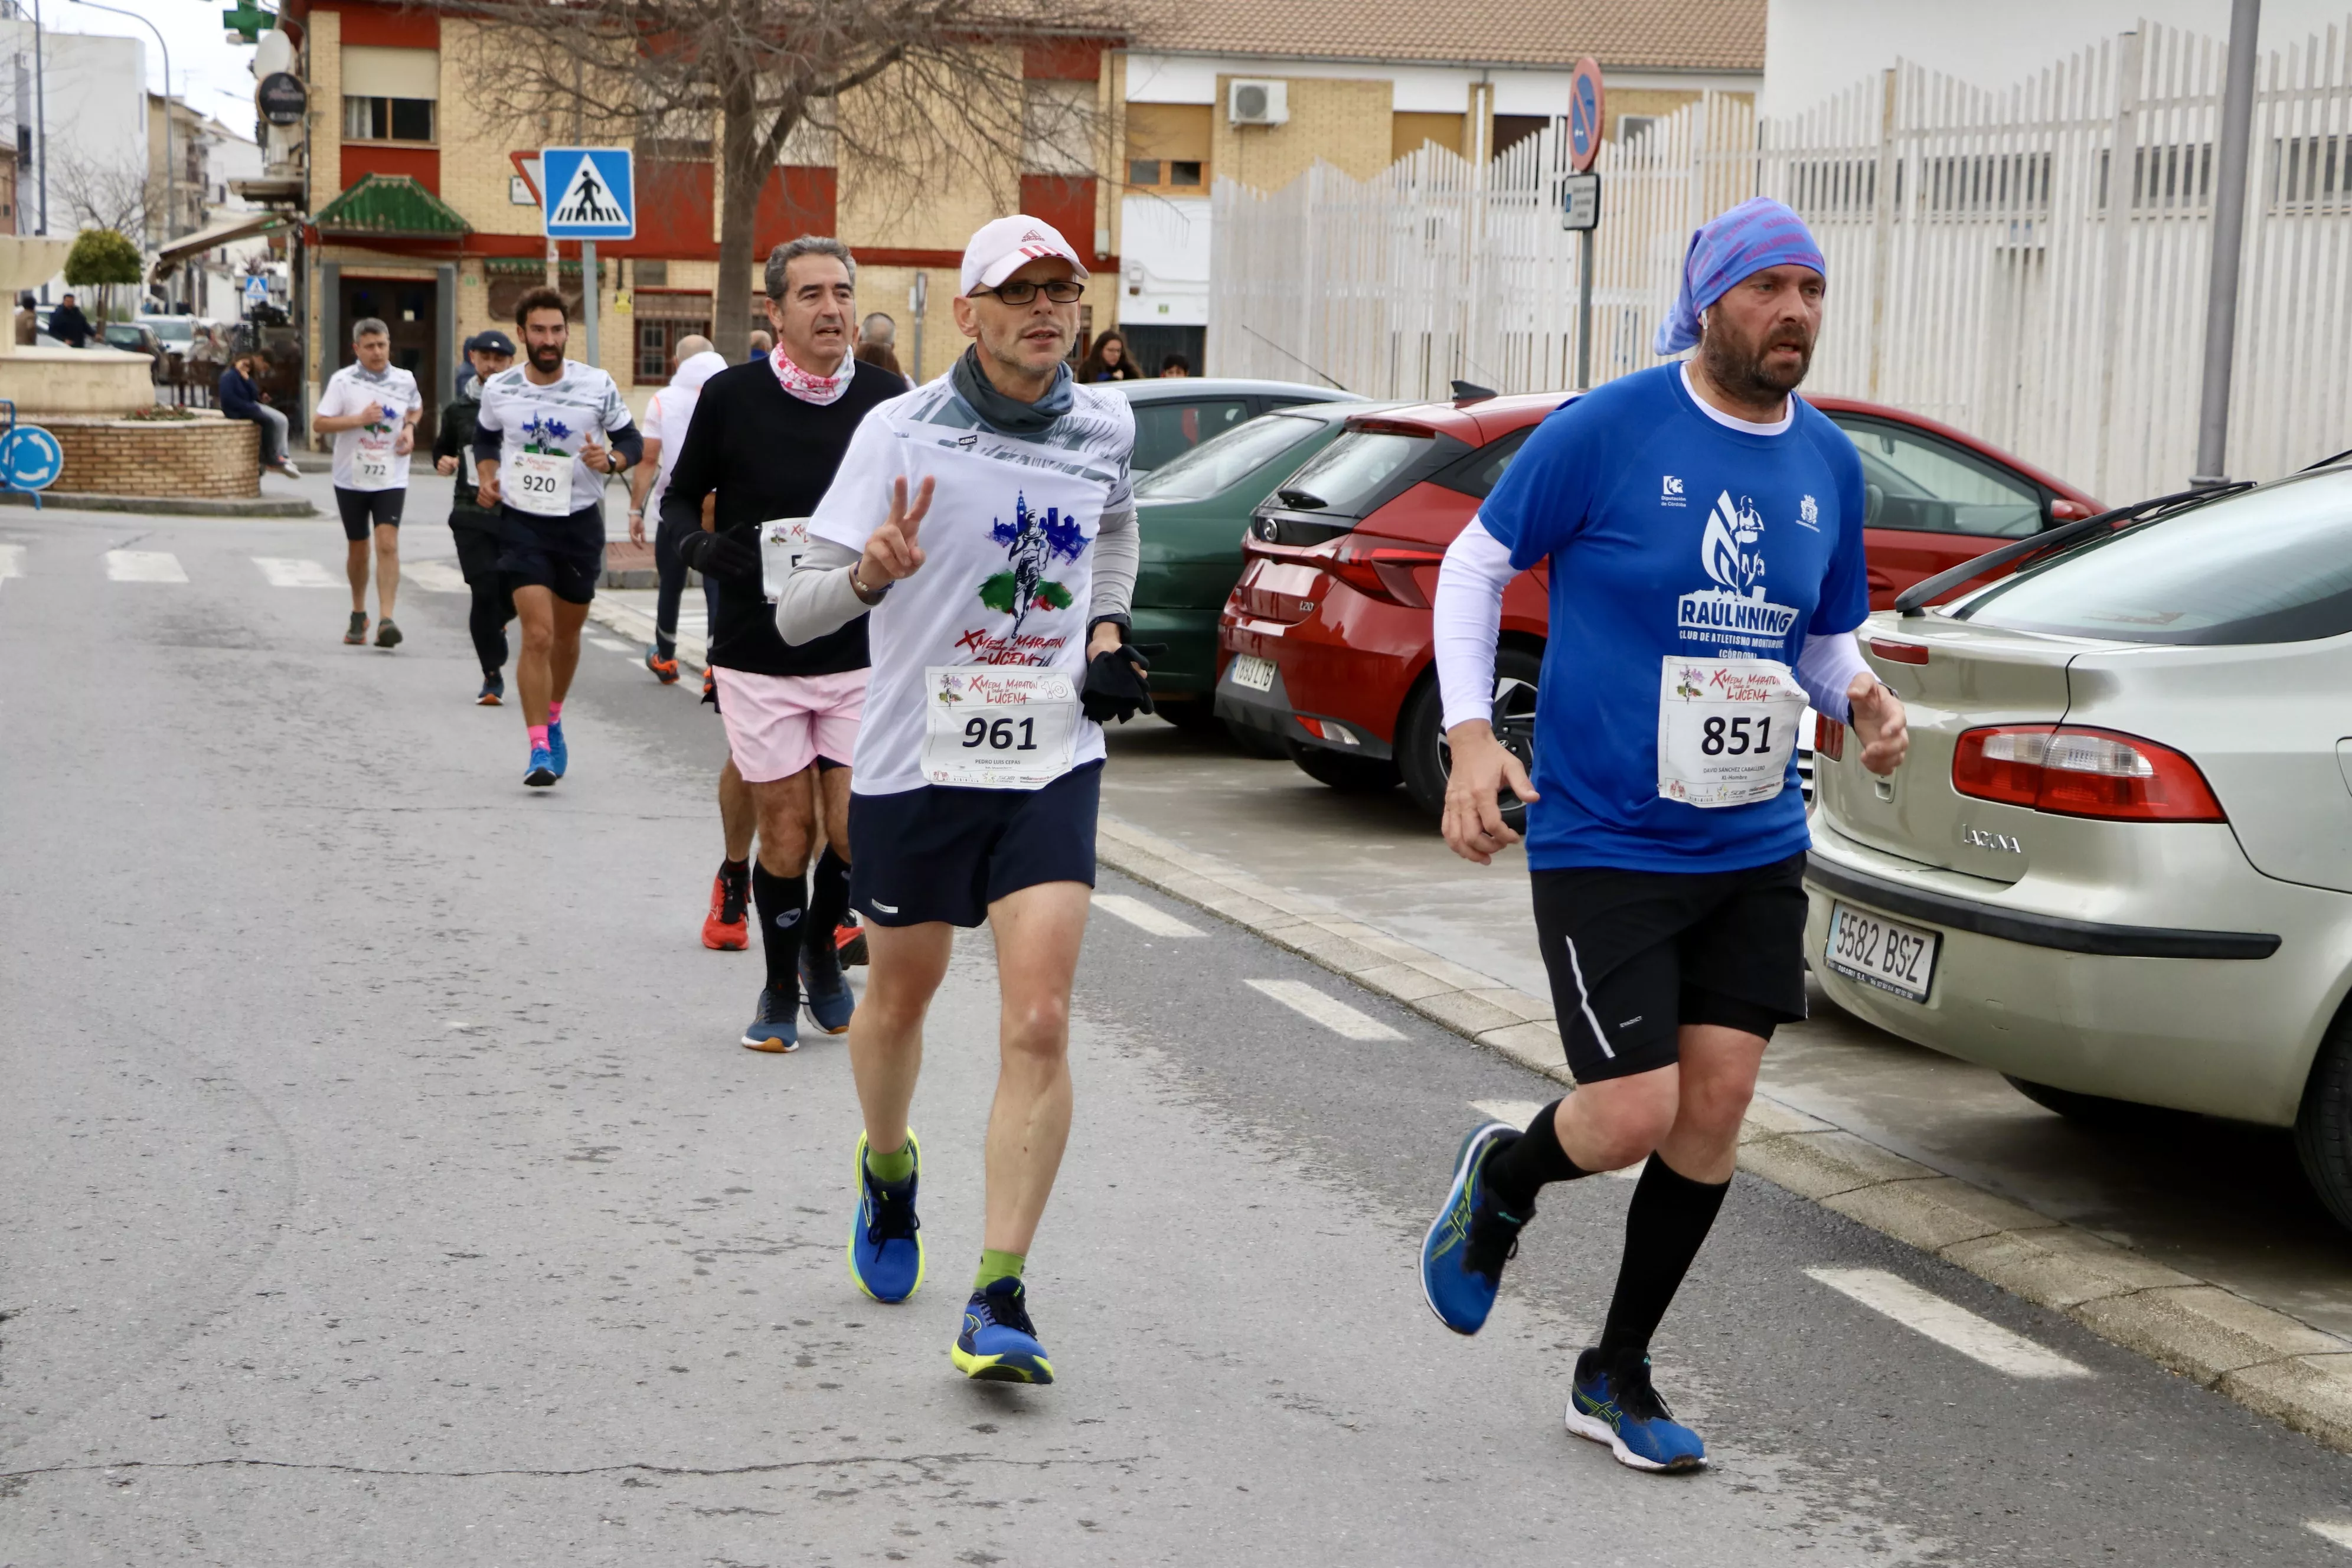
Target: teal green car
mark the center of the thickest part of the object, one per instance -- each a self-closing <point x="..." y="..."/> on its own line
<point x="1194" y="511"/>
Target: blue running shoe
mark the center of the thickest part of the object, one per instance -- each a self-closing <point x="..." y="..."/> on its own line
<point x="829" y="1001"/>
<point x="1462" y="1257"/>
<point x="555" y="750"/>
<point x="541" y="772"/>
<point x="885" y="1240"/>
<point x="776" y="1027"/>
<point x="1615" y="1403"/>
<point x="998" y="1344"/>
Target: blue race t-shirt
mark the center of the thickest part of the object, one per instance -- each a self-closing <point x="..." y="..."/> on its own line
<point x="1684" y="556"/>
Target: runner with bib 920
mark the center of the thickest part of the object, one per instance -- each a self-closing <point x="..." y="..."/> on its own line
<point x="1704" y="531"/>
<point x="986" y="522"/>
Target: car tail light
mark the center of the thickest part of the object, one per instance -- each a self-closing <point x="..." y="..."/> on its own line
<point x="1338" y="734"/>
<point x="1894" y="652"/>
<point x="2072" y="770"/>
<point x="1829" y="738"/>
<point x="1384" y="572"/>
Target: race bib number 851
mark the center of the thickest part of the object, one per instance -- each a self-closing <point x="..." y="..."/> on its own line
<point x="1727" y="729"/>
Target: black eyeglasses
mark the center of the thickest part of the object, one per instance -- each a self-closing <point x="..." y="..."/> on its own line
<point x="1020" y="291"/>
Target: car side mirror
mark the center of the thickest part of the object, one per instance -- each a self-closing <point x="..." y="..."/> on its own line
<point x="2064" y="511"/>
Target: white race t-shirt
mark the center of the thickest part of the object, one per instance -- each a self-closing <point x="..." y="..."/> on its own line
<point x="534" y="422"/>
<point x="1008" y="574"/>
<point x="364" y="458"/>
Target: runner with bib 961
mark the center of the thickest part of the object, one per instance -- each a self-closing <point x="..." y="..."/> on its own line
<point x="1704" y="528"/>
<point x="986" y="522"/>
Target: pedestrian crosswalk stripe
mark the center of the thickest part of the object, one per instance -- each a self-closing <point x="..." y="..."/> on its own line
<point x="1329" y="1012"/>
<point x="144" y="566"/>
<point x="288" y="572"/>
<point x="1143" y="916"/>
<point x="433" y="576"/>
<point x="11" y="561"/>
<point x="1519" y="1112"/>
<point x="2330" y="1530"/>
<point x="609" y="646"/>
<point x="1947" y="1323"/>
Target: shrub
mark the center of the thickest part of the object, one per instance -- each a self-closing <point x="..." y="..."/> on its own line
<point x="101" y="256"/>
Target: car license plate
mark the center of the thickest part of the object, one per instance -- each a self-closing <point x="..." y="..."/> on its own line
<point x="1882" y="953"/>
<point x="1253" y="672"/>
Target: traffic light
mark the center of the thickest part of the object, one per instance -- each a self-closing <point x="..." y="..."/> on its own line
<point x="246" y="21"/>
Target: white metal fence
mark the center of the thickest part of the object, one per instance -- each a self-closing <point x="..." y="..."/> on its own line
<point x="1993" y="262"/>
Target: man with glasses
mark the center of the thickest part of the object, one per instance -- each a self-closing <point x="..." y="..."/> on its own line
<point x="997" y="634"/>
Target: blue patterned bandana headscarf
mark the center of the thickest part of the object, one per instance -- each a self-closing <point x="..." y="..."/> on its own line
<point x="1732" y="246"/>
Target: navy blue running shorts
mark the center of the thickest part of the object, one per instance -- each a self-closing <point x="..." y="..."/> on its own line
<point x="562" y="555"/>
<point x="1634" y="955"/>
<point x="364" y="511"/>
<point x="938" y="854"/>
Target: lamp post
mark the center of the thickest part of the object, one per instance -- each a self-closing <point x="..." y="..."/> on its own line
<point x="171" y="197"/>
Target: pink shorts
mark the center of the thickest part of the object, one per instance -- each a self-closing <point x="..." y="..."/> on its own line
<point x="779" y="724"/>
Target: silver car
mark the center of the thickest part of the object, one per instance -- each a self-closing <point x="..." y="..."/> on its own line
<point x="2117" y="863"/>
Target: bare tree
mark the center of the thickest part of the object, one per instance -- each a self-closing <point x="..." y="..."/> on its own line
<point x="99" y="194"/>
<point x="911" y="94"/>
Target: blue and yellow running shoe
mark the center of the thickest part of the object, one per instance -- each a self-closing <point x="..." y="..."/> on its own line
<point x="998" y="1344"/>
<point x="541" y="771"/>
<point x="1615" y="1403"/>
<point x="1462" y="1257"/>
<point x="556" y="752"/>
<point x="885" y="1240"/>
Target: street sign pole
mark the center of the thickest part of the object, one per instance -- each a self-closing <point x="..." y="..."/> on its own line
<point x="916" y="298"/>
<point x="588" y="297"/>
<point x="1580" y="199"/>
<point x="1584" y="315"/>
<point x="2229" y="244"/>
<point x="589" y="193"/>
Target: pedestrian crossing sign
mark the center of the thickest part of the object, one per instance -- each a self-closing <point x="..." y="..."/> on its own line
<point x="590" y="193"/>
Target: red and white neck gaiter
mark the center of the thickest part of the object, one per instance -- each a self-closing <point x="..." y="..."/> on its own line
<point x="807" y="386"/>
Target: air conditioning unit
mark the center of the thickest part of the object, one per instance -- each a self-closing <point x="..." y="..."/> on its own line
<point x="1257" y="103"/>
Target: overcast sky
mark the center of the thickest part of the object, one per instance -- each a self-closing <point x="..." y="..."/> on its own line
<point x="215" y="75"/>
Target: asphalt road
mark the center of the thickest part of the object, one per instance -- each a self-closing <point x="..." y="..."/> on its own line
<point x="384" y="1185"/>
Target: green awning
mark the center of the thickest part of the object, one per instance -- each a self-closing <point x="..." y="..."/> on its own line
<point x="391" y="206"/>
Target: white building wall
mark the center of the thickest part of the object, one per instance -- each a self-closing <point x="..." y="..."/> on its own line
<point x="1813" y="48"/>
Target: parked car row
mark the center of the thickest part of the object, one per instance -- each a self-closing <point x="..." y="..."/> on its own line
<point x="2116" y="866"/>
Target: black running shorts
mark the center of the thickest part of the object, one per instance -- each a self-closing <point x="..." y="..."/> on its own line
<point x="1634" y="955"/>
<point x="364" y="511"/>
<point x="938" y="854"/>
<point x="562" y="555"/>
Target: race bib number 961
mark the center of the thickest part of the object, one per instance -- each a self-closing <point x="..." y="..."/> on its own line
<point x="997" y="727"/>
<point x="1727" y="729"/>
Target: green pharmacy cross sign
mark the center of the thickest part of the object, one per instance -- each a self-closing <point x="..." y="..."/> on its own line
<point x="246" y="21"/>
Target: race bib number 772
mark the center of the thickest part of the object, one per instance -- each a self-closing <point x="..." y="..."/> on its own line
<point x="1727" y="729"/>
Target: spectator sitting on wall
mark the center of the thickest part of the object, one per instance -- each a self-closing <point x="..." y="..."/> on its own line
<point x="762" y="345"/>
<point x="28" y="325"/>
<point x="241" y="399"/>
<point x="68" y="325"/>
<point x="1109" y="361"/>
<point x="1176" y="366"/>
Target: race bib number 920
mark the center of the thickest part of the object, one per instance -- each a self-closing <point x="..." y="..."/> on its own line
<point x="539" y="483"/>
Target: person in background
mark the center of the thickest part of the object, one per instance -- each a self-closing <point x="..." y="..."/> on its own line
<point x="68" y="325"/>
<point x="1108" y="360"/>
<point x="240" y="399"/>
<point x="763" y="345"/>
<point x="877" y="345"/>
<point x="1175" y="366"/>
<point x="28" y="325"/>
<point x="474" y="526"/>
<point x="667" y="418"/>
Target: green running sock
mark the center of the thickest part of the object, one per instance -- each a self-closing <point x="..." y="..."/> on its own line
<point x="995" y="1266"/>
<point x="894" y="1167"/>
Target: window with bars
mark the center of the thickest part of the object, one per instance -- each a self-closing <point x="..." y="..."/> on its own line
<point x="658" y="338"/>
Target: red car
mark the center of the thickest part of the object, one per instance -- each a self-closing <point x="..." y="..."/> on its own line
<point x="1327" y="636"/>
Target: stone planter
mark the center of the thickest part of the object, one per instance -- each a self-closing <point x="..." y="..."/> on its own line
<point x="206" y="458"/>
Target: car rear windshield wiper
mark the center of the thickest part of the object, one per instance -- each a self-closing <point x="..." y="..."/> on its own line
<point x="1301" y="501"/>
<point x="1913" y="601"/>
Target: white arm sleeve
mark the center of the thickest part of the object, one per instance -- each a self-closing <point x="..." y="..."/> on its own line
<point x="1825" y="667"/>
<point x="818" y="600"/>
<point x="1118" y="556"/>
<point x="1468" y="612"/>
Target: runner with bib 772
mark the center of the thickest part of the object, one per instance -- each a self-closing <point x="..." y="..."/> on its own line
<point x="986" y="522"/>
<point x="1704" y="528"/>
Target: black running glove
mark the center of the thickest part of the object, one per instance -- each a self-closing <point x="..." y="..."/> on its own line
<point x="1116" y="685"/>
<point x="720" y="555"/>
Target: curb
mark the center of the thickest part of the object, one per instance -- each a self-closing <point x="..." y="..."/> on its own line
<point x="165" y="506"/>
<point x="639" y="627"/>
<point x="2266" y="1361"/>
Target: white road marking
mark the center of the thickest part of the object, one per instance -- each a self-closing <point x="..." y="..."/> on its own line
<point x="1329" y="1012"/>
<point x="609" y="646"/>
<point x="1925" y="1312"/>
<point x="2330" y="1530"/>
<point x="433" y="576"/>
<point x="11" y="561"/>
<point x="1519" y="1112"/>
<point x="144" y="566"/>
<point x="286" y="571"/>
<point x="1143" y="916"/>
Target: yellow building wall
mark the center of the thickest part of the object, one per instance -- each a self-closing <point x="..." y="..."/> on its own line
<point x="1407" y="132"/>
<point x="1345" y="123"/>
<point x="894" y="209"/>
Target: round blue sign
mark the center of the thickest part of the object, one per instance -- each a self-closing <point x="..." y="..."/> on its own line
<point x="1584" y="121"/>
<point x="30" y="459"/>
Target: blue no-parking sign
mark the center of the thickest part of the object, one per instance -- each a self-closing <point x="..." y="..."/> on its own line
<point x="590" y="193"/>
<point x="1584" y="121"/>
<point x="30" y="459"/>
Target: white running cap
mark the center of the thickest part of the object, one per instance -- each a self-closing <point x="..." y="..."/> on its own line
<point x="1005" y="244"/>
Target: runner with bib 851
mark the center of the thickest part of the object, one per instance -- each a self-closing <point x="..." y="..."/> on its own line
<point x="1704" y="528"/>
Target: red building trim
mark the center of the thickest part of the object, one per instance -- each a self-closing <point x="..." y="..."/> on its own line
<point x="363" y="158"/>
<point x="385" y="27"/>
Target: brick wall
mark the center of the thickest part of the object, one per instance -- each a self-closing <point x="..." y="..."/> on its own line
<point x="1344" y="123"/>
<point x="208" y="456"/>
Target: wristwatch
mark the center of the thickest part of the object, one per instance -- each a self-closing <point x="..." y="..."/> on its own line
<point x="865" y="596"/>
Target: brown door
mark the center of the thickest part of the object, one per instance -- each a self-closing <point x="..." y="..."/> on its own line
<point x="406" y="307"/>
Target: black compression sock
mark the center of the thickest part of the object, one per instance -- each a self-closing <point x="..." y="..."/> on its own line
<point x="828" y="903"/>
<point x="1530" y="1162"/>
<point x="1668" y="1220"/>
<point x="780" y="901"/>
<point x="737" y="867"/>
